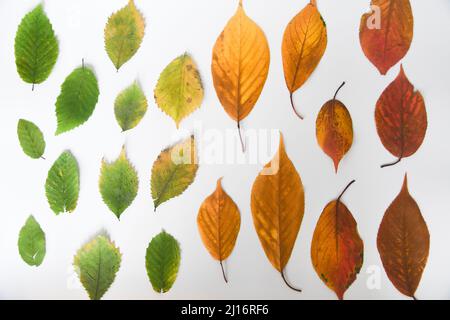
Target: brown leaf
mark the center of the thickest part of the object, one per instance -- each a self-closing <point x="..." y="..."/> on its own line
<point x="304" y="43"/>
<point x="337" y="249"/>
<point x="386" y="32"/>
<point x="240" y="65"/>
<point x="218" y="222"/>
<point x="334" y="129"/>
<point x="278" y="205"/>
<point x="404" y="242"/>
<point x="401" y="118"/>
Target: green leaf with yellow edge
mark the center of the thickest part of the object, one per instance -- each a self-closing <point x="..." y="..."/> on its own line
<point x="123" y="34"/>
<point x="97" y="263"/>
<point x="77" y="100"/>
<point x="35" y="47"/>
<point x="179" y="90"/>
<point x="32" y="242"/>
<point x="174" y="171"/>
<point x="162" y="261"/>
<point x="130" y="107"/>
<point x="118" y="184"/>
<point x="31" y="139"/>
<point x="63" y="184"/>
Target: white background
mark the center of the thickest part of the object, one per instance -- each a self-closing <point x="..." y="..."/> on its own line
<point x="173" y="27"/>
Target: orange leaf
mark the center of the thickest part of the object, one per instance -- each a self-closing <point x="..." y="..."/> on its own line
<point x="337" y="249"/>
<point x="218" y="222"/>
<point x="240" y="65"/>
<point x="386" y="32"/>
<point x="404" y="242"/>
<point x="278" y="204"/>
<point x="334" y="129"/>
<point x="304" y="43"/>
<point x="401" y="118"/>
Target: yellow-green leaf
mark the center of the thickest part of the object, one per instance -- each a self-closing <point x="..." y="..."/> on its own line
<point x="179" y="90"/>
<point x="123" y="34"/>
<point x="130" y="107"/>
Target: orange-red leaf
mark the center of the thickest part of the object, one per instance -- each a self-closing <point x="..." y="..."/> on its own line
<point x="386" y="32"/>
<point x="278" y="204"/>
<point x="401" y="118"/>
<point x="404" y="242"/>
<point x="337" y="249"/>
<point x="334" y="130"/>
<point x="304" y="43"/>
<point x="218" y="222"/>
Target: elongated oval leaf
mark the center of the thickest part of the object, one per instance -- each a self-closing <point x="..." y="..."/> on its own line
<point x="240" y="65"/>
<point x="174" y="171"/>
<point x="179" y="90"/>
<point x="278" y="205"/>
<point x="63" y="184"/>
<point x="401" y="118"/>
<point x="162" y="261"/>
<point x="97" y="263"/>
<point x="386" y="32"/>
<point x="337" y="249"/>
<point x="130" y="107"/>
<point x="31" y="139"/>
<point x="304" y="43"/>
<point x="35" y="47"/>
<point x="334" y="130"/>
<point x="218" y="222"/>
<point x="403" y="242"/>
<point x="123" y="34"/>
<point x="32" y="242"/>
<point x="118" y="184"/>
<point x="77" y="100"/>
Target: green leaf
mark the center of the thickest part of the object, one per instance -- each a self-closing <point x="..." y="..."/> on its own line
<point x="35" y="47"/>
<point x="130" y="107"/>
<point x="31" y="139"/>
<point x="174" y="171"/>
<point x="118" y="184"/>
<point x="77" y="100"/>
<point x="179" y="90"/>
<point x="63" y="184"/>
<point x="123" y="34"/>
<point x="162" y="261"/>
<point x="97" y="263"/>
<point x="32" y="242"/>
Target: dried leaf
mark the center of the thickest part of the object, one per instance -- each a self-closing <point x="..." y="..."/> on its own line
<point x="130" y="107"/>
<point x="334" y="129"/>
<point x="162" y="261"/>
<point x="240" y="65"/>
<point x="403" y="242"/>
<point x="174" y="171"/>
<point x="118" y="184"/>
<point x="218" y="222"/>
<point x="386" y="32"/>
<point x="97" y="263"/>
<point x="77" y="100"/>
<point x="179" y="90"/>
<point x="337" y="249"/>
<point x="304" y="43"/>
<point x="123" y="34"/>
<point x="35" y="47"/>
<point x="32" y="242"/>
<point x="401" y="118"/>
<point x="31" y="139"/>
<point x="278" y="205"/>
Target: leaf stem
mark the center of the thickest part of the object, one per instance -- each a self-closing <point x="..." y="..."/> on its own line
<point x="223" y="272"/>
<point x="345" y="189"/>
<point x="32" y="87"/>
<point x="391" y="164"/>
<point x="240" y="136"/>
<point x="287" y="283"/>
<point x="414" y="297"/>
<point x="337" y="91"/>
<point x="43" y="158"/>
<point x="293" y="106"/>
<point x="82" y="63"/>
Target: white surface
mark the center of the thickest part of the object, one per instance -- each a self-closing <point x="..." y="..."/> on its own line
<point x="175" y="26"/>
